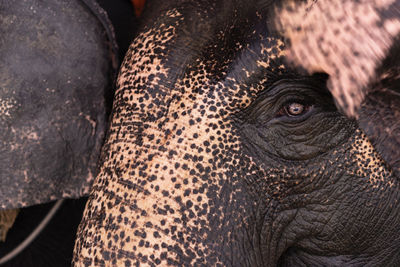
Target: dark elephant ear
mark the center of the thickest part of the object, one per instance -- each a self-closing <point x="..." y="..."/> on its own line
<point x="57" y="64"/>
<point x="356" y="43"/>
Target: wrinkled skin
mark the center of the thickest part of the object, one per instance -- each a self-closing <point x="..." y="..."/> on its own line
<point x="221" y="154"/>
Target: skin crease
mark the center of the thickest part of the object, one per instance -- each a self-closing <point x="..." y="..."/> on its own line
<point x="204" y="166"/>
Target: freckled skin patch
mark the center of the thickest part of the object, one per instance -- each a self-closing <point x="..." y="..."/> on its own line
<point x="199" y="170"/>
<point x="5" y="106"/>
<point x="370" y="163"/>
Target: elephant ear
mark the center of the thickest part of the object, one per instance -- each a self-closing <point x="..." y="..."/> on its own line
<point x="57" y="64"/>
<point x="357" y="44"/>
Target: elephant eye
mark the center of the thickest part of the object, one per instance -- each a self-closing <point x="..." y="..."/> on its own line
<point x="294" y="109"/>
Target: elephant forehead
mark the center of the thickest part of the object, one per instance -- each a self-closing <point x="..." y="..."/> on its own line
<point x="157" y="72"/>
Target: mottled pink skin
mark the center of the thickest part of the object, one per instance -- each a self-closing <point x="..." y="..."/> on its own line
<point x="344" y="38"/>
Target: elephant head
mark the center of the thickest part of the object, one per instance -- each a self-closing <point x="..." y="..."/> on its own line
<point x="221" y="153"/>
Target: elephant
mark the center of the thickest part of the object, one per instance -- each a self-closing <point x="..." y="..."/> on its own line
<point x="224" y="152"/>
<point x="58" y="62"/>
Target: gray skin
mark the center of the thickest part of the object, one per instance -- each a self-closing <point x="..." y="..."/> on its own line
<point x="221" y="153"/>
<point x="57" y="66"/>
